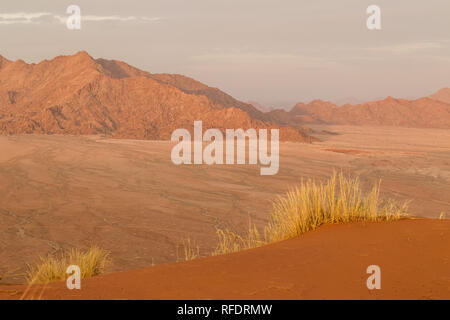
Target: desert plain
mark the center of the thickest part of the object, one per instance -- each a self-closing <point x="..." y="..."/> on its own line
<point x="59" y="192"/>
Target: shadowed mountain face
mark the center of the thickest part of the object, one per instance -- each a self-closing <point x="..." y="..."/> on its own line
<point x="81" y="95"/>
<point x="431" y="112"/>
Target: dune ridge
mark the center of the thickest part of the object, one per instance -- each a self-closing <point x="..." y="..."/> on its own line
<point x="329" y="263"/>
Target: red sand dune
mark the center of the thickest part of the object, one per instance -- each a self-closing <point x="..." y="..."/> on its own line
<point x="81" y="95"/>
<point x="329" y="263"/>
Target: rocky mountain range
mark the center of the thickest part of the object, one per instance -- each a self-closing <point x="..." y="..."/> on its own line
<point x="428" y="112"/>
<point x="81" y="95"/>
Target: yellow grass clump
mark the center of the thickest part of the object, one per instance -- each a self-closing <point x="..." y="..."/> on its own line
<point x="92" y="262"/>
<point x="191" y="250"/>
<point x="310" y="205"/>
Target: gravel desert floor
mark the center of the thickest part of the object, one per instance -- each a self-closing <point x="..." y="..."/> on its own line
<point x="126" y="196"/>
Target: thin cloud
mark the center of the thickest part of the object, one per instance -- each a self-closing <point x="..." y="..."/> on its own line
<point x="22" y="17"/>
<point x="94" y="18"/>
<point x="410" y="48"/>
<point x="40" y="17"/>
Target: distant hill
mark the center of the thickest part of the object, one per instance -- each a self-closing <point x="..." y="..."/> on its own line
<point x="81" y="95"/>
<point x="421" y="113"/>
<point x="442" y="95"/>
<point x="348" y="100"/>
<point x="259" y="107"/>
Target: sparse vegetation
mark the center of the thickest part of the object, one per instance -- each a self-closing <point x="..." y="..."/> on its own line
<point x="191" y="250"/>
<point x="310" y="205"/>
<point x="92" y="262"/>
<point x="230" y="241"/>
<point x="7" y="274"/>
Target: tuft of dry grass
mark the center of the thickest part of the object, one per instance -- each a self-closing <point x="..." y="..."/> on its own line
<point x="92" y="262"/>
<point x="230" y="241"/>
<point x="191" y="250"/>
<point x="310" y="205"/>
<point x="8" y="274"/>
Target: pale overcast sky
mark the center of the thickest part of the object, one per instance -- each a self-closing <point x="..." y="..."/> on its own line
<point x="271" y="51"/>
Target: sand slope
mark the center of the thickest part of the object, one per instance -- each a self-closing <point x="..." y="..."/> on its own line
<point x="329" y="263"/>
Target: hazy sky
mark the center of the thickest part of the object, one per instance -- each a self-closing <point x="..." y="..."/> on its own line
<point x="274" y="52"/>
